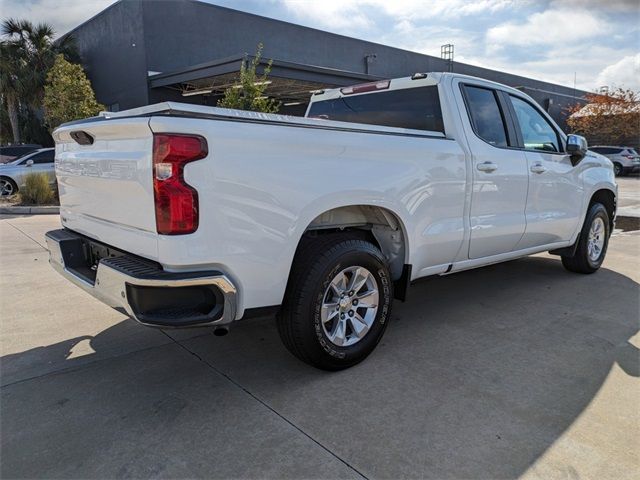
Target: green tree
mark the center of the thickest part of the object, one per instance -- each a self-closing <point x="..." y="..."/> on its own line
<point x="27" y="51"/>
<point x="68" y="94"/>
<point x="249" y="91"/>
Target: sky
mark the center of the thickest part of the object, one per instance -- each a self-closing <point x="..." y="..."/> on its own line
<point x="598" y="41"/>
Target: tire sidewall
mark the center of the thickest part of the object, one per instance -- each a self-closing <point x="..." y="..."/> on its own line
<point x="596" y="211"/>
<point x="372" y="261"/>
<point x="618" y="169"/>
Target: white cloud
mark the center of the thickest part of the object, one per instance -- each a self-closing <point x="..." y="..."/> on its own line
<point x="62" y="15"/>
<point x="357" y="14"/>
<point x="555" y="26"/>
<point x="624" y="73"/>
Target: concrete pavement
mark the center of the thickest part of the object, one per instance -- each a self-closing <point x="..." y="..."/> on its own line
<point x="515" y="370"/>
<point x="629" y="195"/>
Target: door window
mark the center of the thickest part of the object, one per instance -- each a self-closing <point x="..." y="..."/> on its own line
<point x="43" y="157"/>
<point x="537" y="132"/>
<point x="486" y="116"/>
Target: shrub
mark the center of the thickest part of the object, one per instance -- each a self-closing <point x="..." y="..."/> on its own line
<point x="68" y="94"/>
<point x="248" y="93"/>
<point x="37" y="190"/>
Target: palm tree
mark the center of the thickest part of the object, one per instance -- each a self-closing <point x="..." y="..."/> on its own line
<point x="27" y="51"/>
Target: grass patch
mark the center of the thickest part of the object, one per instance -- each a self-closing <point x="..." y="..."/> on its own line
<point x="37" y="190"/>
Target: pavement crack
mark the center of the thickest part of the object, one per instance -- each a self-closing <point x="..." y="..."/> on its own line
<point x="268" y="407"/>
<point x="29" y="236"/>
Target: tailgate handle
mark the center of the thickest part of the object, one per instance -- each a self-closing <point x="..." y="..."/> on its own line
<point x="82" y="137"/>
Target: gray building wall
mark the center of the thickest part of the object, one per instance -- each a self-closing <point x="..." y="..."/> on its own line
<point x="132" y="37"/>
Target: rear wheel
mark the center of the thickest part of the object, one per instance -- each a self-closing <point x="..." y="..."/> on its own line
<point x="338" y="301"/>
<point x="618" y="170"/>
<point x="7" y="187"/>
<point x="592" y="242"/>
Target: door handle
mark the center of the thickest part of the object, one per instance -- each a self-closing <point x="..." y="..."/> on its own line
<point x="538" y="168"/>
<point x="487" y="167"/>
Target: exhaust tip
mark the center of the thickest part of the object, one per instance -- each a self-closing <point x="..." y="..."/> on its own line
<point x="220" y="331"/>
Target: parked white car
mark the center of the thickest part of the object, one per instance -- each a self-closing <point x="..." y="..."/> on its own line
<point x="184" y="215"/>
<point x="14" y="173"/>
<point x="625" y="159"/>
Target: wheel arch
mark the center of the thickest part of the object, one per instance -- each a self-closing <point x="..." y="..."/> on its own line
<point x="380" y="225"/>
<point x="606" y="197"/>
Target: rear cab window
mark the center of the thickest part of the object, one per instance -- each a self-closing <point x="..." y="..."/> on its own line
<point x="485" y="113"/>
<point x="415" y="108"/>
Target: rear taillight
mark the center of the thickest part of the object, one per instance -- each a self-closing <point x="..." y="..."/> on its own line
<point x="176" y="201"/>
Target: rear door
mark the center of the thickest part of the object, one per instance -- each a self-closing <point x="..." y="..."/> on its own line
<point x="500" y="177"/>
<point x="554" y="200"/>
<point x="43" y="163"/>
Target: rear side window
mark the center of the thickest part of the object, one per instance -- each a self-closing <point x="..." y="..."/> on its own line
<point x="486" y="115"/>
<point x="414" y="108"/>
<point x="43" y="157"/>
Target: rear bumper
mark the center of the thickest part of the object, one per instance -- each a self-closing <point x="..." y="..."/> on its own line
<point x="141" y="288"/>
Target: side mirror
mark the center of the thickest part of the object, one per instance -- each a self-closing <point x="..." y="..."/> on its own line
<point x="29" y="163"/>
<point x="577" y="148"/>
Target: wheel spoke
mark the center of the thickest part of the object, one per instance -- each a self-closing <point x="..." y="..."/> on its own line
<point x="368" y="299"/>
<point x="328" y="313"/>
<point x="358" y="325"/>
<point x="339" y="283"/>
<point x="358" y="280"/>
<point x="339" y="333"/>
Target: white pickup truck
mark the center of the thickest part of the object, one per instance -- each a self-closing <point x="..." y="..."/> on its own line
<point x="183" y="215"/>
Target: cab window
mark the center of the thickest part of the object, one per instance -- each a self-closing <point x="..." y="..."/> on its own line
<point x="486" y="116"/>
<point x="537" y="132"/>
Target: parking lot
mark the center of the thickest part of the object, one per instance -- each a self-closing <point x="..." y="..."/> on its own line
<point x="516" y="370"/>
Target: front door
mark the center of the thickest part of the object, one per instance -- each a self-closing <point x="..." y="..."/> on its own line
<point x="554" y="201"/>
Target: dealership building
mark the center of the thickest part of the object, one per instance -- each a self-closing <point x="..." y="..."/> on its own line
<point x="138" y="53"/>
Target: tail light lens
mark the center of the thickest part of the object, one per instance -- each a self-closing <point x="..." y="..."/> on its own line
<point x="176" y="201"/>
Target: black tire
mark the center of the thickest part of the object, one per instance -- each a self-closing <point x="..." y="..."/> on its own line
<point x="581" y="262"/>
<point x="317" y="261"/>
<point x="14" y="186"/>
<point x="618" y="169"/>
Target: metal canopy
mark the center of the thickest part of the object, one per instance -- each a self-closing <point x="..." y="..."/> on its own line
<point x="290" y="82"/>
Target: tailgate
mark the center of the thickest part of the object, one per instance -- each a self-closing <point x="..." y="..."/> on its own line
<point x="106" y="188"/>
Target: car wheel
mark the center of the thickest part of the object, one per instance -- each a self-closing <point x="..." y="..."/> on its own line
<point x="338" y="301"/>
<point x="7" y="187"/>
<point x="618" y="170"/>
<point x="592" y="242"/>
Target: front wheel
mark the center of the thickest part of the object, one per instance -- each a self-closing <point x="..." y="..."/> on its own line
<point x="592" y="242"/>
<point x="338" y="301"/>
